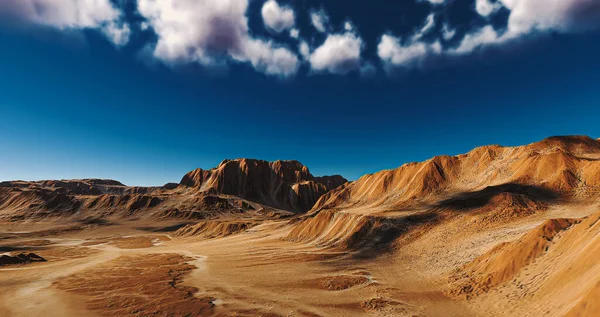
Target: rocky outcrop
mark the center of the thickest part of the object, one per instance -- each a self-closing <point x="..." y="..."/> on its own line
<point x="286" y="185"/>
<point x="332" y="181"/>
<point x="21" y="258"/>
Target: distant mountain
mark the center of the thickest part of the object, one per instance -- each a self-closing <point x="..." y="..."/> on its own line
<point x="232" y="187"/>
<point x="284" y="185"/>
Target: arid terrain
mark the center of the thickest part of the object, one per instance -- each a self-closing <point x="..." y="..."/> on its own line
<point x="498" y="231"/>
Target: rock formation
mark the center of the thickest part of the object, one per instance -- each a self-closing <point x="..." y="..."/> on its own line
<point x="286" y="185"/>
<point x="232" y="187"/>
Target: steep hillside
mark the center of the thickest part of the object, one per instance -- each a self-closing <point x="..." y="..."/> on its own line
<point x="561" y="166"/>
<point x="554" y="266"/>
<point x="495" y="184"/>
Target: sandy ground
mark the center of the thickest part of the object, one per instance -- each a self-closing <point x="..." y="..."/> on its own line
<point x="138" y="269"/>
<point x="250" y="273"/>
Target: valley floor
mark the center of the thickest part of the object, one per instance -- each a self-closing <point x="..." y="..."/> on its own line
<point x="140" y="269"/>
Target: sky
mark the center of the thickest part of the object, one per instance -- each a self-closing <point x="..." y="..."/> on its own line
<point x="143" y="91"/>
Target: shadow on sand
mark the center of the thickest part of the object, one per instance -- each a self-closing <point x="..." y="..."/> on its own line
<point x="480" y="198"/>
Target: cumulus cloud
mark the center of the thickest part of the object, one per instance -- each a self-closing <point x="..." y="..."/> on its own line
<point x="559" y="15"/>
<point x="268" y="58"/>
<point x="294" y="33"/>
<point x="210" y="31"/>
<point x="304" y="50"/>
<point x="216" y="32"/>
<point x="486" y="7"/>
<point x="348" y="26"/>
<point x="530" y="16"/>
<point x="339" y="54"/>
<point x="413" y="52"/>
<point x="320" y="20"/>
<point x="195" y="30"/>
<point x="277" y="18"/>
<point x="483" y="36"/>
<point x="119" y="34"/>
<point x="213" y="31"/>
<point x="525" y="17"/>
<point x="70" y="14"/>
<point x="408" y="55"/>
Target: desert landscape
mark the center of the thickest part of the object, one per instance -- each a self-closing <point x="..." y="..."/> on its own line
<point x="498" y="231"/>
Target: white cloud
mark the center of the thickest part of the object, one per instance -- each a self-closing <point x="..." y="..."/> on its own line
<point x="210" y="31"/>
<point x="266" y="57"/>
<point x="277" y="18"/>
<point x="559" y="15"/>
<point x="320" y="20"/>
<point x="348" y="26"/>
<point x="435" y="2"/>
<point x="529" y="16"/>
<point x="428" y="26"/>
<point x="447" y="32"/>
<point x="411" y="53"/>
<point x="304" y="50"/>
<point x="526" y="17"/>
<point x="408" y="55"/>
<point x="216" y="32"/>
<point x="118" y="34"/>
<point x="339" y="54"/>
<point x="70" y="14"/>
<point x="294" y="33"/>
<point x="483" y="36"/>
<point x="486" y="7"/>
<point x="195" y="30"/>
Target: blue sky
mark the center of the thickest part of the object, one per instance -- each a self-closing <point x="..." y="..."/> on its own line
<point x="95" y="95"/>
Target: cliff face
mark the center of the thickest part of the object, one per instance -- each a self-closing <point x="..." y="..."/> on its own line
<point x="284" y="185"/>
